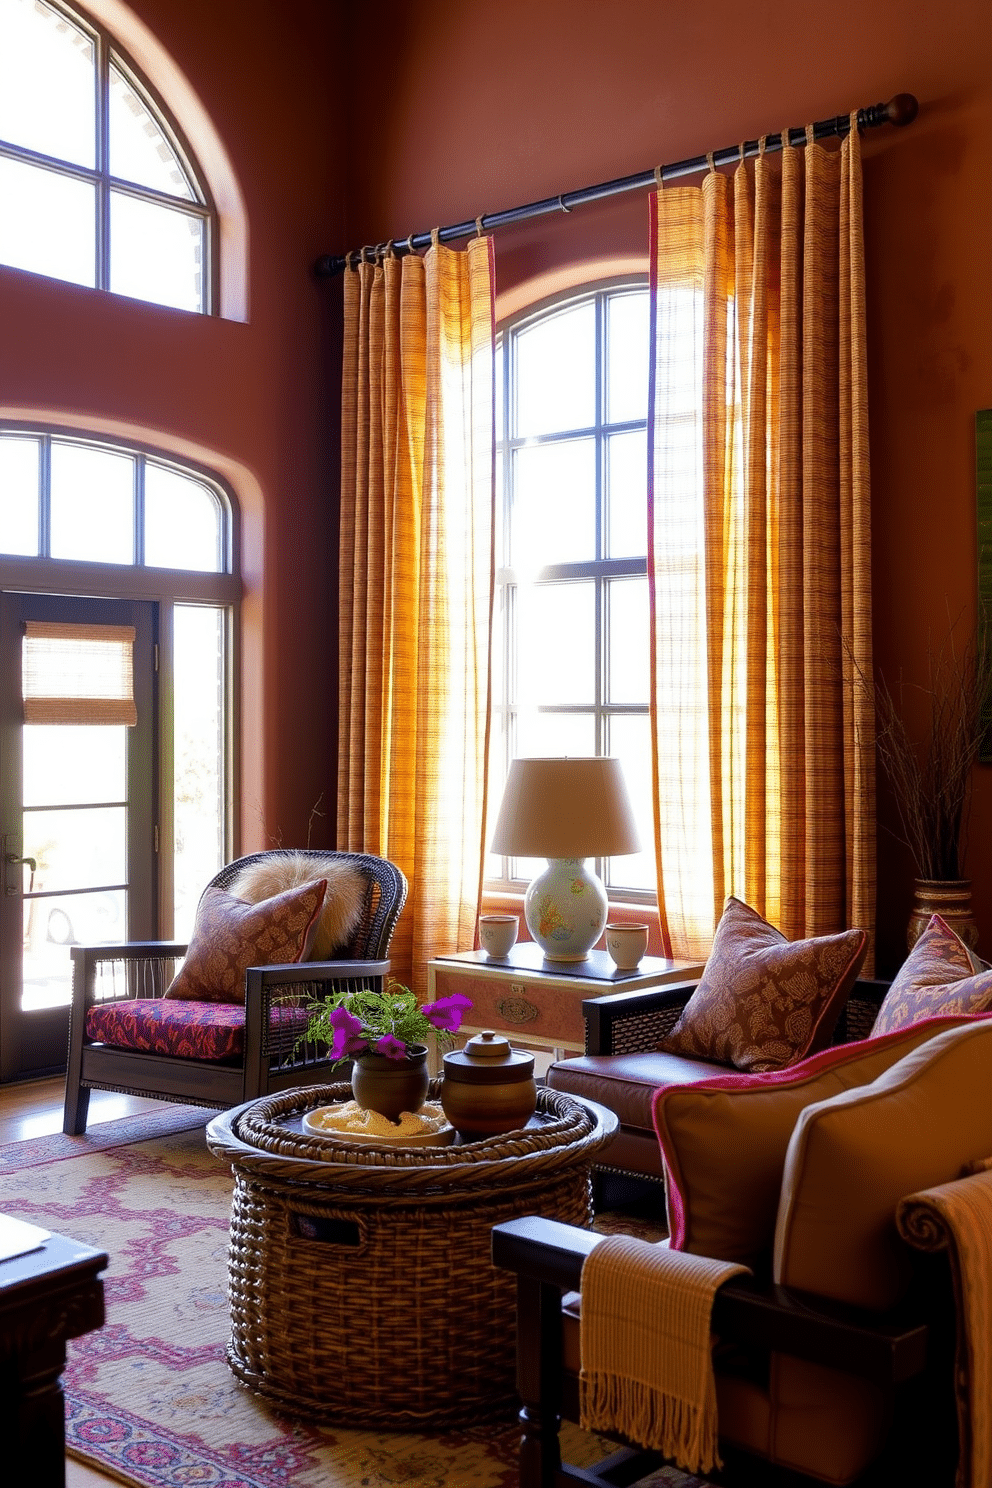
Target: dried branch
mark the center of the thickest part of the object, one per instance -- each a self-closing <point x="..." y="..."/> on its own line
<point x="931" y="775"/>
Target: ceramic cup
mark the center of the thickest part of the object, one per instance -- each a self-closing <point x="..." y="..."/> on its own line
<point x="626" y="944"/>
<point x="498" y="933"/>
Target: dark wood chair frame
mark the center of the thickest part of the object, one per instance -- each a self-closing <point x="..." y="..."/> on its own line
<point x="909" y="1351"/>
<point x="274" y="1058"/>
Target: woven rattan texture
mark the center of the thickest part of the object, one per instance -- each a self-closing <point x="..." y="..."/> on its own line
<point x="642" y="1030"/>
<point x="361" y="1285"/>
<point x="859" y="1016"/>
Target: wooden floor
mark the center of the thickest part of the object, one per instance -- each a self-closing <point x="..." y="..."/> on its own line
<point x="34" y="1109"/>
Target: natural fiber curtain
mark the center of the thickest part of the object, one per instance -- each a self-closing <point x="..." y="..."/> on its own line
<point x="416" y="583"/>
<point x="759" y="548"/>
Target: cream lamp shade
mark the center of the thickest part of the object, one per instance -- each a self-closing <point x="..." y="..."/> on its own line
<point x="565" y="810"/>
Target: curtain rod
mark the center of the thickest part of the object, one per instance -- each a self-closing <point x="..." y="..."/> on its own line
<point x="900" y="110"/>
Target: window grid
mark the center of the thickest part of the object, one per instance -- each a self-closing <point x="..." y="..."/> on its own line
<point x="141" y="462"/>
<point x="106" y="54"/>
<point x="602" y="707"/>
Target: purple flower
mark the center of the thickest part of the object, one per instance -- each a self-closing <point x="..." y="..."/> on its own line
<point x="391" y="1046"/>
<point x="349" y="1037"/>
<point x="447" y="1012"/>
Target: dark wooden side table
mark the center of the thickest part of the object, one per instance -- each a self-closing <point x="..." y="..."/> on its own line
<point x="46" y="1297"/>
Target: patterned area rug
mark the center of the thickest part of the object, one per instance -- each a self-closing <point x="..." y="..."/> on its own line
<point x="149" y="1398"/>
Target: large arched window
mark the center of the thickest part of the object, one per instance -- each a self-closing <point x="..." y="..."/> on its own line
<point x="571" y="639"/>
<point x="97" y="186"/>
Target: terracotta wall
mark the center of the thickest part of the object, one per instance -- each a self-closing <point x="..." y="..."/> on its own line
<point x="482" y="107"/>
<point x="248" y="398"/>
<point x="451" y="107"/>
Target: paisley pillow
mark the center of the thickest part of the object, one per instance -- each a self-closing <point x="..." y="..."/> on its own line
<point x="230" y="935"/>
<point x="764" y="1002"/>
<point x="344" y="899"/>
<point x="940" y="975"/>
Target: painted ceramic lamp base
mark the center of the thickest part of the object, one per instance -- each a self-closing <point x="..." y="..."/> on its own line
<point x="565" y="908"/>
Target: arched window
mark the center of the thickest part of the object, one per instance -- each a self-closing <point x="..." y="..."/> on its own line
<point x="571" y="639"/>
<point x="97" y="186"/>
<point x="110" y="523"/>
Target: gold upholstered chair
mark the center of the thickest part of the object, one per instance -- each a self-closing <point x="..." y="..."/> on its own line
<point x="220" y="1020"/>
<point x="833" y="1360"/>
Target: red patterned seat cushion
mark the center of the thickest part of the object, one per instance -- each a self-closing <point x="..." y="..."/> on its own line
<point x="213" y="1031"/>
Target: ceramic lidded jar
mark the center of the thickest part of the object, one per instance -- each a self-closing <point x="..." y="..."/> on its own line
<point x="488" y="1088"/>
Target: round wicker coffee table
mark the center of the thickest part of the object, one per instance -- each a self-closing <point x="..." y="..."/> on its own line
<point x="361" y="1285"/>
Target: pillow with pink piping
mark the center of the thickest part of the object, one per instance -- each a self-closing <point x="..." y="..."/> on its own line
<point x="940" y="975"/>
<point x="724" y="1140"/>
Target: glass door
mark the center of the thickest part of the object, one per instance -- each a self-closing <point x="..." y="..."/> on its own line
<point x="77" y="822"/>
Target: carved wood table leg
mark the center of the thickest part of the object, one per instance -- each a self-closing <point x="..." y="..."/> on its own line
<point x="47" y="1296"/>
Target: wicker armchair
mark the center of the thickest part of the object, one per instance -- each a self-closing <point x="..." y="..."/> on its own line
<point x="271" y="1056"/>
<point x="622" y="1068"/>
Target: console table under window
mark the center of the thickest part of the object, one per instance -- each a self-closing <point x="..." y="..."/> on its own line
<point x="538" y="1001"/>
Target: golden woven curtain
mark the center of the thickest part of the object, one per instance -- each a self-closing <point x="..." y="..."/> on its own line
<point x="416" y="584"/>
<point x="759" y="548"/>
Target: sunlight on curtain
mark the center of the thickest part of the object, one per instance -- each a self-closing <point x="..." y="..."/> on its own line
<point x="416" y="581"/>
<point x="759" y="548"/>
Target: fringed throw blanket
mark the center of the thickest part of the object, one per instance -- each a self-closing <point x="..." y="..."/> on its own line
<point x="647" y="1367"/>
<point x="958" y="1216"/>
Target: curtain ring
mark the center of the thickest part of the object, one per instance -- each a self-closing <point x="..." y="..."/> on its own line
<point x="659" y="177"/>
<point x="709" y="160"/>
<point x="478" y="224"/>
<point x="409" y="244"/>
<point x="740" y="149"/>
<point x="762" y="143"/>
<point x="809" y="135"/>
<point x="435" y="237"/>
<point x="561" y="203"/>
<point x="389" y="248"/>
<point x="349" y="256"/>
<point x="855" y="126"/>
<point x="786" y="141"/>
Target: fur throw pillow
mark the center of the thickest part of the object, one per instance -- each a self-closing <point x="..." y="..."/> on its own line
<point x="344" y="898"/>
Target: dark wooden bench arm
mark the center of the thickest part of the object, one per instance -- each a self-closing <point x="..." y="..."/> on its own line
<point x="622" y="1022"/>
<point x="888" y="1349"/>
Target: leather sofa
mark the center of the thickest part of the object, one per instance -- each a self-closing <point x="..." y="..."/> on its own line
<point x="622" y="1067"/>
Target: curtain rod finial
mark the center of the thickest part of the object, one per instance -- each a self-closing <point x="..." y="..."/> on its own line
<point x="902" y="109"/>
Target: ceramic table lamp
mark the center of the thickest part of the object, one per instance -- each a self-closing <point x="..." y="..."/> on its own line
<point x="565" y="810"/>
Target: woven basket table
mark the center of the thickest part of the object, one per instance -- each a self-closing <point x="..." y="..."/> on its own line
<point x="361" y="1285"/>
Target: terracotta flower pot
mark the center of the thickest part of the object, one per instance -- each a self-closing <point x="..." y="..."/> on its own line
<point x="951" y="899"/>
<point x="391" y="1086"/>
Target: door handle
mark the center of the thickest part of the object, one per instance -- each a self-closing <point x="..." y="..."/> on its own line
<point x="12" y="858"/>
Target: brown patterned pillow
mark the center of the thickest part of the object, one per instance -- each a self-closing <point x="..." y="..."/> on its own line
<point x="940" y="975"/>
<point x="764" y="1002"/>
<point x="344" y="898"/>
<point x="230" y="935"/>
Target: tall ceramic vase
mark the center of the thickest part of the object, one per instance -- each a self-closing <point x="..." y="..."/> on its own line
<point x="951" y="899"/>
<point x="391" y="1086"/>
